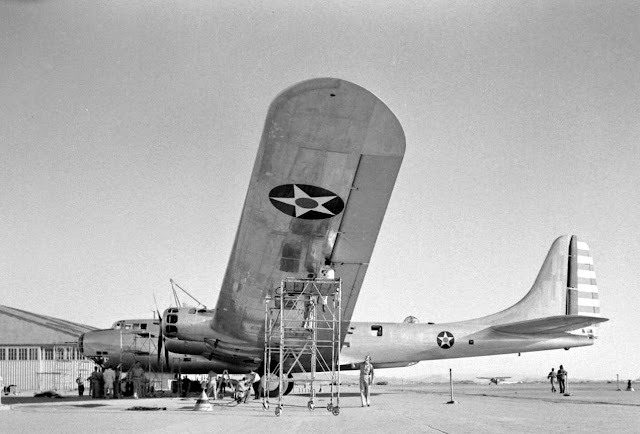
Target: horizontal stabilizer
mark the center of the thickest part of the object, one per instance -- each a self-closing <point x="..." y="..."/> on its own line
<point x="551" y="324"/>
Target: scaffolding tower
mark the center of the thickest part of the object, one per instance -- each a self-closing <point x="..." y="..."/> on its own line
<point x="302" y="335"/>
<point x="140" y="345"/>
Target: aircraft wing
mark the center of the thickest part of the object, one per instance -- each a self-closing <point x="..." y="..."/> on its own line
<point x="327" y="162"/>
<point x="552" y="324"/>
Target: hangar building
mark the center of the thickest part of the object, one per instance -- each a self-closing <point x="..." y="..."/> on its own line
<point x="38" y="352"/>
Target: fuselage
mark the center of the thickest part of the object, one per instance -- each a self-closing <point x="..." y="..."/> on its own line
<point x="191" y="345"/>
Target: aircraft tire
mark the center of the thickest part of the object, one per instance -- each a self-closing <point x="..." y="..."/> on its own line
<point x="275" y="392"/>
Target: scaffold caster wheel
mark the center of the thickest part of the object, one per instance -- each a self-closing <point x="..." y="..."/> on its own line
<point x="311" y="405"/>
<point x="278" y="411"/>
<point x="336" y="410"/>
<point x="265" y="406"/>
<point x="329" y="407"/>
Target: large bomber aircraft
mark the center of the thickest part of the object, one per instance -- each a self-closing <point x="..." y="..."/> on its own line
<point x="326" y="166"/>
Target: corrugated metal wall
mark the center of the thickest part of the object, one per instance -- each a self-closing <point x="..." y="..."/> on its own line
<point x="43" y="368"/>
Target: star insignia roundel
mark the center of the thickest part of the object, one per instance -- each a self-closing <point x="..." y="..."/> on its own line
<point x="445" y="340"/>
<point x="306" y="202"/>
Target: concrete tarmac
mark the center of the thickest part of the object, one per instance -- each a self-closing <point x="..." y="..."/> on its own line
<point x="507" y="408"/>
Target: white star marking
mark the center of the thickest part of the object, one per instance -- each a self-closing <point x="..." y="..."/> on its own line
<point x="444" y="340"/>
<point x="304" y="203"/>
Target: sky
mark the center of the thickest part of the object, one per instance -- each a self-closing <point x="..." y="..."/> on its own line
<point x="128" y="132"/>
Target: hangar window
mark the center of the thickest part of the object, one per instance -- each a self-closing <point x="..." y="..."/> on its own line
<point x="59" y="353"/>
<point x="13" y="354"/>
<point x="48" y="353"/>
<point x="33" y="354"/>
<point x="376" y="330"/>
<point x="3" y="354"/>
<point x="22" y="354"/>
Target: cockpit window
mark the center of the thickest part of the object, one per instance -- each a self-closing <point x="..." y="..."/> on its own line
<point x="127" y="326"/>
<point x="143" y="326"/>
<point x="192" y="310"/>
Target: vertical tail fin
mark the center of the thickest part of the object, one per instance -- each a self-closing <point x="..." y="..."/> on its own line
<point x="565" y="286"/>
<point x="582" y="290"/>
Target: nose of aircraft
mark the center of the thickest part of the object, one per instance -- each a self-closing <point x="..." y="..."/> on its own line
<point x="97" y="344"/>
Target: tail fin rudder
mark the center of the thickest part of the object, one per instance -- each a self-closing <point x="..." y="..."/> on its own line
<point x="582" y="290"/>
<point x="565" y="285"/>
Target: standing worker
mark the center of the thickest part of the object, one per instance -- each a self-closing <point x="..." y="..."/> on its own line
<point x="117" y="392"/>
<point x="562" y="376"/>
<point x="136" y="374"/>
<point x="366" y="380"/>
<point x="212" y="386"/>
<point x="552" y="378"/>
<point x="80" y="382"/>
<point x="95" y="383"/>
<point x="255" y="384"/>
<point x="109" y="376"/>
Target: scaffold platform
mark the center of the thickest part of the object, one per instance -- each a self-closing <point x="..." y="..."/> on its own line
<point x="302" y="336"/>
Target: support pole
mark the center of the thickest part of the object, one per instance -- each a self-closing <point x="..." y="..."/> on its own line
<point x="618" y="383"/>
<point x="451" y="388"/>
<point x="566" y="385"/>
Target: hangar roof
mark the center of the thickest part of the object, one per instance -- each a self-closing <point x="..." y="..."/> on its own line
<point x="26" y="328"/>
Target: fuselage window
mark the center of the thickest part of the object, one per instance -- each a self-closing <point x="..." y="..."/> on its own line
<point x="127" y="326"/>
<point x="376" y="330"/>
<point x="143" y="326"/>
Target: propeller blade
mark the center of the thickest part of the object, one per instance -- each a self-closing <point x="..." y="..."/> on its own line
<point x="160" y="342"/>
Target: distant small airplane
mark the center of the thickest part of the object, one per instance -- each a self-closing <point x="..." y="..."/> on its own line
<point x="493" y="380"/>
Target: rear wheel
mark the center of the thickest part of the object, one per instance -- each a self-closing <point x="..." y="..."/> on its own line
<point x="272" y="385"/>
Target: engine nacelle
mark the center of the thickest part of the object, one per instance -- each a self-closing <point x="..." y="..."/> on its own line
<point x="187" y="323"/>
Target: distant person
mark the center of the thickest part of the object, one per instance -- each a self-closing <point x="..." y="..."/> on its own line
<point x="366" y="380"/>
<point x="552" y="378"/>
<point x="222" y="384"/>
<point x="95" y="383"/>
<point x="117" y="383"/>
<point x="562" y="378"/>
<point x="255" y="384"/>
<point x="80" y="382"/>
<point x="136" y="375"/>
<point x="109" y="376"/>
<point x="212" y="387"/>
<point x="186" y="386"/>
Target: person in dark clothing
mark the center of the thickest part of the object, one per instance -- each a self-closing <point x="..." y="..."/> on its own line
<point x="562" y="378"/>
